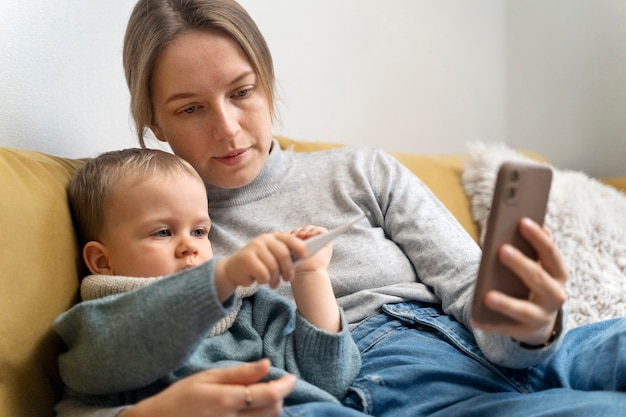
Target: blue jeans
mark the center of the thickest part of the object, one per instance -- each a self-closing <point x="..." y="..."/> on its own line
<point x="418" y="361"/>
<point x="320" y="410"/>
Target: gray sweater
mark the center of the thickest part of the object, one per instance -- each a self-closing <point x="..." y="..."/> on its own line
<point x="410" y="247"/>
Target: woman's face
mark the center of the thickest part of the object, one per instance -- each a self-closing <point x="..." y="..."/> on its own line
<point x="210" y="108"/>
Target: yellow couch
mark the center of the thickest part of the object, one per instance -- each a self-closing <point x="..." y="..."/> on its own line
<point x="39" y="262"/>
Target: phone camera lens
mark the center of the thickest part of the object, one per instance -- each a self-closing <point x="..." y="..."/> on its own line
<point x="511" y="192"/>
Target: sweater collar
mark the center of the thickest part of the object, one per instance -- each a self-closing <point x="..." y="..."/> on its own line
<point x="275" y="171"/>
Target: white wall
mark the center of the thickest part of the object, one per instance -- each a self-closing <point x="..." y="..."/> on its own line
<point x="413" y="75"/>
<point x="404" y="74"/>
<point x="567" y="81"/>
<point x="61" y="78"/>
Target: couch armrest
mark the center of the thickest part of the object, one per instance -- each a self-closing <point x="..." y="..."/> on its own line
<point x="38" y="278"/>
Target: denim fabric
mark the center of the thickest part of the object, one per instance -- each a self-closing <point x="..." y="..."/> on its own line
<point x="320" y="409"/>
<point x="418" y="361"/>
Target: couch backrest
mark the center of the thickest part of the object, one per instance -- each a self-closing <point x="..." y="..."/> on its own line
<point x="38" y="277"/>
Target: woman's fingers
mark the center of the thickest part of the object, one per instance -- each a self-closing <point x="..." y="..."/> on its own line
<point x="244" y="374"/>
<point x="548" y="253"/>
<point x="545" y="290"/>
<point x="267" y="395"/>
<point x="244" y="395"/>
<point x="530" y="319"/>
<point x="226" y="392"/>
<point x="535" y="317"/>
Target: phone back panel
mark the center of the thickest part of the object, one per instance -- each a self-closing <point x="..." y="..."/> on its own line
<point x="522" y="190"/>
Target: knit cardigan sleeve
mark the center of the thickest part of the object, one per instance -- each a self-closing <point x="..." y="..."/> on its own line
<point x="109" y="339"/>
<point x="329" y="361"/>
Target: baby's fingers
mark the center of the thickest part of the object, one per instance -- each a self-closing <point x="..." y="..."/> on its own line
<point x="287" y="246"/>
<point x="308" y="231"/>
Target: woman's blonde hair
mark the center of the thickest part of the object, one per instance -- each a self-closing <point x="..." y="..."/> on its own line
<point x="155" y="23"/>
<point x="90" y="189"/>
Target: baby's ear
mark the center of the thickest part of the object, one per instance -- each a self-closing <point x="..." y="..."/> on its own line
<point x="96" y="258"/>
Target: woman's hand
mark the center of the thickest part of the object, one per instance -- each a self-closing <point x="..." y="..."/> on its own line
<point x="536" y="317"/>
<point x="226" y="392"/>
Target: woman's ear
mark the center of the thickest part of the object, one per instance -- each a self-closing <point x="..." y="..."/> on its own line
<point x="157" y="132"/>
<point x="96" y="258"/>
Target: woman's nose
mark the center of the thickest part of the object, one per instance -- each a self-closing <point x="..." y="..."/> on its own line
<point x="225" y="122"/>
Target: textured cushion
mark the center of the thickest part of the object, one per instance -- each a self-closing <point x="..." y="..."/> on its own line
<point x="38" y="277"/>
<point x="587" y="220"/>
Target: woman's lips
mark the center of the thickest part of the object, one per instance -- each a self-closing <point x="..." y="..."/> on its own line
<point x="232" y="158"/>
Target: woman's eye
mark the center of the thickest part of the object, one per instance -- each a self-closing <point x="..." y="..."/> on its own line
<point x="243" y="93"/>
<point x="189" y="110"/>
<point x="163" y="233"/>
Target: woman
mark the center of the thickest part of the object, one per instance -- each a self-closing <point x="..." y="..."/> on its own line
<point x="201" y="79"/>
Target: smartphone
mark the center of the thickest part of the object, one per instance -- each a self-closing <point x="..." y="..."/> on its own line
<point x="521" y="190"/>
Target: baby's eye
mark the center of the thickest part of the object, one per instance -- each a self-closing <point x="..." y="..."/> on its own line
<point x="200" y="232"/>
<point x="163" y="233"/>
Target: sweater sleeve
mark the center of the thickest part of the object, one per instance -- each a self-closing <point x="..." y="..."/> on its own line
<point x="442" y="253"/>
<point x="71" y="406"/>
<point x="124" y="341"/>
<point x="327" y="360"/>
<point x="330" y="361"/>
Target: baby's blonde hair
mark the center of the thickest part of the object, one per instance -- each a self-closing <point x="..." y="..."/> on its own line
<point x="90" y="189"/>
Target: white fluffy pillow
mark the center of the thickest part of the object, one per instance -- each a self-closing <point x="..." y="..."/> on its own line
<point x="588" y="224"/>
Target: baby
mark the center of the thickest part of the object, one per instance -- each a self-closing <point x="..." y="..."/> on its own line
<point x="141" y="216"/>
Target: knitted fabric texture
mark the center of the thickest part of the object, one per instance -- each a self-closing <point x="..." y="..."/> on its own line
<point x="98" y="286"/>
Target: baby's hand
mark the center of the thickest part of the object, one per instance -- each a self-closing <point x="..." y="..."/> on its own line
<point x="321" y="259"/>
<point x="265" y="260"/>
<point x="311" y="287"/>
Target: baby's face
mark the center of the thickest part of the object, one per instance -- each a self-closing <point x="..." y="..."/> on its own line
<point x="157" y="227"/>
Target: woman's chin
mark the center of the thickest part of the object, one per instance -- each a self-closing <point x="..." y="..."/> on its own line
<point x="231" y="181"/>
